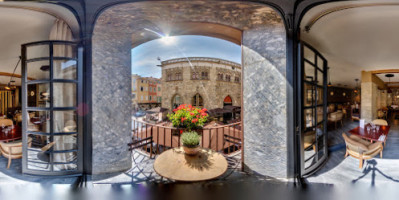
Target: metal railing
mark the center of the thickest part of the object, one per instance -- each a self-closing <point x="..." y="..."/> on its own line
<point x="156" y="138"/>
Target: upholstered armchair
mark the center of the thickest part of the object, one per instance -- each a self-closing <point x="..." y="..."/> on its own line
<point x="336" y="117"/>
<point x="13" y="150"/>
<point x="380" y="122"/>
<point x="361" y="149"/>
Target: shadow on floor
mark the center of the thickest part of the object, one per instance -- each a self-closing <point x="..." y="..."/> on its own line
<point x="371" y="168"/>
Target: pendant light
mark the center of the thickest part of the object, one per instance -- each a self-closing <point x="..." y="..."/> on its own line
<point x="356" y="88"/>
<point x="389" y="76"/>
<point x="329" y="79"/>
<point x="11" y="83"/>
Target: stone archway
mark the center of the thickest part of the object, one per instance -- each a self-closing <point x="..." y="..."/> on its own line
<point x="258" y="28"/>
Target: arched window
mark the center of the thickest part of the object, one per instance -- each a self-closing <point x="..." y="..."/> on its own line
<point x="227" y="101"/>
<point x="197" y="101"/>
<point x="176" y="101"/>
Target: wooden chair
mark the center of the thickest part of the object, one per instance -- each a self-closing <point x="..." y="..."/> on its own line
<point x="6" y="122"/>
<point x="380" y="122"/>
<point x="336" y="117"/>
<point x="13" y="150"/>
<point x="361" y="149"/>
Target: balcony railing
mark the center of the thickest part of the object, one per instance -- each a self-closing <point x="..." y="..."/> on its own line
<point x="155" y="138"/>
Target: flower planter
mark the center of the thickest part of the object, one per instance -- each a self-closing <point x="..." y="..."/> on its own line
<point x="191" y="151"/>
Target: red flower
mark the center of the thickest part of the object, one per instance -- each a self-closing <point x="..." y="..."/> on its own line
<point x="174" y="110"/>
<point x="204" y="114"/>
<point x="192" y="114"/>
<point x="194" y="120"/>
<point x="182" y="119"/>
<point x="204" y="110"/>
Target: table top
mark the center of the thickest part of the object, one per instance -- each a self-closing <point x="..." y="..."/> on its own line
<point x="14" y="134"/>
<point x="176" y="165"/>
<point x="372" y="135"/>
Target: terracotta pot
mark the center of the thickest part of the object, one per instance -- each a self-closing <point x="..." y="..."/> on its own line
<point x="191" y="150"/>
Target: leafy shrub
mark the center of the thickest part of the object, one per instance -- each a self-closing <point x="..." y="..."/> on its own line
<point x="190" y="139"/>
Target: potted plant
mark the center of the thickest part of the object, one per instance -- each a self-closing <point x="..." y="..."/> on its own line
<point x="188" y="117"/>
<point x="191" y="142"/>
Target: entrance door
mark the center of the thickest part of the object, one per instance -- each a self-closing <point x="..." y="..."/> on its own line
<point x="312" y="113"/>
<point x="51" y="92"/>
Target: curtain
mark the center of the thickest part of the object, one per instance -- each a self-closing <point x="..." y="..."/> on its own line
<point x="64" y="96"/>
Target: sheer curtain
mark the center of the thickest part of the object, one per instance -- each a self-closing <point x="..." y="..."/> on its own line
<point x="64" y="96"/>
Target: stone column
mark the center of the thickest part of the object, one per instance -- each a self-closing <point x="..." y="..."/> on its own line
<point x="265" y="103"/>
<point x="111" y="128"/>
<point x="369" y="96"/>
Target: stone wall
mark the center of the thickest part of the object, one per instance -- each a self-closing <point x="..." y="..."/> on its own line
<point x="264" y="83"/>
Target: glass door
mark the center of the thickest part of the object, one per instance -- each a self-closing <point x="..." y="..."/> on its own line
<point x="313" y="115"/>
<point x="51" y="92"/>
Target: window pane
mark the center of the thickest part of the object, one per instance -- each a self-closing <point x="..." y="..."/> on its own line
<point x="308" y="54"/>
<point x="64" y="94"/>
<point x="37" y="51"/>
<point x="65" y="121"/>
<point x="309" y="72"/>
<point x="39" y="70"/>
<point x="39" y="121"/>
<point x="320" y="78"/>
<point x="64" y="50"/>
<point x="64" y="69"/>
<point x="39" y="95"/>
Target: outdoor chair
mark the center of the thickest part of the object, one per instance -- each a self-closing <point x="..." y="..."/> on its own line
<point x="13" y="150"/>
<point x="380" y="122"/>
<point x="361" y="149"/>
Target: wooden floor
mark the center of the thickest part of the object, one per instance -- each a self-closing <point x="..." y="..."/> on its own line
<point x="376" y="172"/>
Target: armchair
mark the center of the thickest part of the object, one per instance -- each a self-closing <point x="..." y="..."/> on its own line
<point x="361" y="149"/>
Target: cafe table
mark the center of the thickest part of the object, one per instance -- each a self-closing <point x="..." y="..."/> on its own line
<point x="372" y="135"/>
<point x="14" y="134"/>
<point x="174" y="164"/>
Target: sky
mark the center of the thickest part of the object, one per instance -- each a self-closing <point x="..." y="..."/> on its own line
<point x="144" y="56"/>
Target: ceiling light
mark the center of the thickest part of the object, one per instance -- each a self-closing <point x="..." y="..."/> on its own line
<point x="389" y="76"/>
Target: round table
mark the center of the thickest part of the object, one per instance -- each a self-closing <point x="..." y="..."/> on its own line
<point x="176" y="165"/>
<point x="14" y="134"/>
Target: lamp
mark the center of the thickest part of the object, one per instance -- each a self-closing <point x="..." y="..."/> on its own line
<point x="11" y="83"/>
<point x="356" y="88"/>
<point x="329" y="79"/>
<point x="389" y="76"/>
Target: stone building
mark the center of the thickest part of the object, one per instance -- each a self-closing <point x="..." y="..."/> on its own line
<point x="146" y="92"/>
<point x="202" y="82"/>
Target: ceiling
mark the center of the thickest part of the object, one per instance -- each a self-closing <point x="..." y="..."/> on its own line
<point x="23" y="22"/>
<point x="363" y="36"/>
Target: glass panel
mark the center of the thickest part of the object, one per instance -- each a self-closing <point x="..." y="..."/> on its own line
<point x="320" y="78"/>
<point x="64" y="69"/>
<point x="39" y="121"/>
<point x="65" y="121"/>
<point x="38" y="152"/>
<point x="319" y="96"/>
<point x="64" y="50"/>
<point x="309" y="72"/>
<point x="39" y="70"/>
<point x="37" y="51"/>
<point x="61" y="167"/>
<point x="308" y="118"/>
<point x="40" y="97"/>
<point x="320" y="114"/>
<point x="309" y="139"/>
<point x="320" y="154"/>
<point x="308" y="54"/>
<point x="320" y="63"/>
<point x="309" y="94"/>
<point x="64" y="94"/>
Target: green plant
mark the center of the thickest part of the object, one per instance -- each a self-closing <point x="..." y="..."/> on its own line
<point x="187" y="116"/>
<point x="190" y="139"/>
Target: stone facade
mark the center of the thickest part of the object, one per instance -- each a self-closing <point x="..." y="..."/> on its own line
<point x="207" y="77"/>
<point x="264" y="76"/>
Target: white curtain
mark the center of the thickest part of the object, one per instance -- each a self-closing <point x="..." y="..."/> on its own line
<point x="64" y="96"/>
